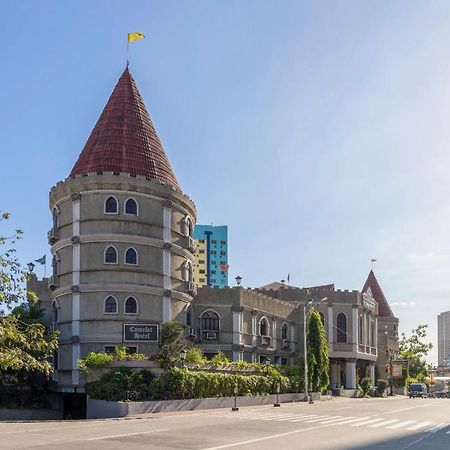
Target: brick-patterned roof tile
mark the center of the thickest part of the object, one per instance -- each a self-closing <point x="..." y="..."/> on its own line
<point x="125" y="140"/>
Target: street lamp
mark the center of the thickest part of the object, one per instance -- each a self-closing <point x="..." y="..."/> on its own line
<point x="183" y="356"/>
<point x="31" y="267"/>
<point x="267" y="364"/>
<point x="238" y="280"/>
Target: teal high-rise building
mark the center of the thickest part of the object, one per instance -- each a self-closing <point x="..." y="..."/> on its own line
<point x="211" y="268"/>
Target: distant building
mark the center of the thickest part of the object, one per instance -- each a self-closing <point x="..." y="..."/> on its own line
<point x="444" y="339"/>
<point x="211" y="266"/>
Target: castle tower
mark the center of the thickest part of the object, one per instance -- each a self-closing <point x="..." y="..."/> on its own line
<point x="388" y="345"/>
<point x="121" y="239"/>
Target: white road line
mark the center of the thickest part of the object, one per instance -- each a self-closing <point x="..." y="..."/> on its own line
<point x="367" y="422"/>
<point x="436" y="428"/>
<point x="345" y="422"/>
<point x="401" y="424"/>
<point x="123" y="435"/>
<point x="278" y="417"/>
<point x="337" y="420"/>
<point x="301" y="419"/>
<point x="419" y="426"/>
<point x="382" y="424"/>
<point x="318" y="419"/>
<point x="296" y="416"/>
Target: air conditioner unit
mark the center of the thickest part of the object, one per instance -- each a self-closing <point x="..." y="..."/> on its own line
<point x="286" y="343"/>
<point x="210" y="335"/>
<point x="192" y="332"/>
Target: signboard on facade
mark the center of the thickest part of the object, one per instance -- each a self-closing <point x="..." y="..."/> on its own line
<point x="140" y="332"/>
<point x="396" y="371"/>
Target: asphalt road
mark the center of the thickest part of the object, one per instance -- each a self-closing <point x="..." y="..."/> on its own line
<point x="389" y="424"/>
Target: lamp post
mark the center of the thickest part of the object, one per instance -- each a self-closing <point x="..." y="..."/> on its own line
<point x="31" y="267"/>
<point x="183" y="357"/>
<point x="236" y="391"/>
<point x="309" y="302"/>
<point x="238" y="280"/>
<point x="267" y="364"/>
<point x="277" y="403"/>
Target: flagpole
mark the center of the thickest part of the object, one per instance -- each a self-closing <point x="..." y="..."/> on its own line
<point x="128" y="48"/>
<point x="45" y="268"/>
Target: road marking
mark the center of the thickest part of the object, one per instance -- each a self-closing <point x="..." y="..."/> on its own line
<point x="318" y="419"/>
<point x="344" y="422"/>
<point x="366" y="422"/>
<point x="419" y="426"/>
<point x="382" y="424"/>
<point x="436" y="428"/>
<point x="406" y="409"/>
<point x="266" y="438"/>
<point x="401" y="424"/>
<point x="301" y="419"/>
<point x="336" y="421"/>
<point x="123" y="435"/>
<point x="293" y="417"/>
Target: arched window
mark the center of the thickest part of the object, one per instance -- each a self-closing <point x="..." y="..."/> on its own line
<point x="55" y="218"/>
<point x="284" y="331"/>
<point x="341" y="324"/>
<point x="186" y="226"/>
<point x="110" y="255"/>
<point x="55" y="311"/>
<point x="131" y="306"/>
<point x="131" y="256"/>
<point x="187" y="271"/>
<point x="264" y="327"/>
<point x="361" y="330"/>
<point x="209" y="321"/>
<point x="111" y="305"/>
<point x="131" y="207"/>
<point x="111" y="205"/>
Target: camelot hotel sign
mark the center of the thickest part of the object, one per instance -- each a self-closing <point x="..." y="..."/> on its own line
<point x="138" y="332"/>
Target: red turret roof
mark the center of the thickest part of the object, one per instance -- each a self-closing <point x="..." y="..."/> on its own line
<point x="383" y="306"/>
<point x="124" y="139"/>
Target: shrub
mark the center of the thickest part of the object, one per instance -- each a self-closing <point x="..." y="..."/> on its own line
<point x="195" y="355"/>
<point x="365" y="385"/>
<point x="170" y="344"/>
<point x="219" y="359"/>
<point x="96" y="361"/>
<point x="125" y="384"/>
<point x="381" y="387"/>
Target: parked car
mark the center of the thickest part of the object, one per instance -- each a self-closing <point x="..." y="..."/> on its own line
<point x="417" y="390"/>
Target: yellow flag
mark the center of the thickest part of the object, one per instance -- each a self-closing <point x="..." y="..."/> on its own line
<point x="135" y="36"/>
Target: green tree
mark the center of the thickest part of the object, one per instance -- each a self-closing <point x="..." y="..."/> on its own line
<point x="415" y="349"/>
<point x="170" y="343"/>
<point x="25" y="345"/>
<point x="318" y="362"/>
<point x="195" y="355"/>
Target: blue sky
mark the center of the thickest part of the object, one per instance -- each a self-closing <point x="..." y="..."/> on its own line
<point x="320" y="128"/>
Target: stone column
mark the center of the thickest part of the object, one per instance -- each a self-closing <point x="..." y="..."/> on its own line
<point x="292" y="336"/>
<point x="355" y="331"/>
<point x="372" y="372"/>
<point x="167" y="279"/>
<point x="238" y="356"/>
<point x="350" y="374"/>
<point x="254" y="329"/>
<point x="274" y="332"/>
<point x="237" y="328"/>
<point x="330" y="327"/>
<point x="76" y="264"/>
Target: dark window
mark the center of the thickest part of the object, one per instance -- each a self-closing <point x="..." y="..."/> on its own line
<point x="201" y="261"/>
<point x="131" y="207"/>
<point x="264" y="328"/>
<point x="222" y="273"/>
<point x="131" y="350"/>
<point x="131" y="306"/>
<point x="341" y="324"/>
<point x="110" y="305"/>
<point x="55" y="360"/>
<point x="222" y="262"/>
<point x="111" y="255"/>
<point x="213" y="252"/>
<point x="213" y="280"/>
<point x="201" y="271"/>
<point x="213" y="242"/>
<point x="111" y="205"/>
<point x="222" y="253"/>
<point x="210" y="321"/>
<point x="222" y="242"/>
<point x="131" y="256"/>
<point x="202" y="280"/>
<point x="202" y="241"/>
<point x="283" y="361"/>
<point x="214" y="262"/>
<point x="361" y="330"/>
<point x="213" y="272"/>
<point x="188" y="317"/>
<point x="201" y="251"/>
<point x="284" y="332"/>
<point x="110" y="348"/>
<point x="55" y="312"/>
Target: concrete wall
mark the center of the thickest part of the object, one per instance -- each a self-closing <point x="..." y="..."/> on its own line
<point x="30" y="414"/>
<point x="101" y="409"/>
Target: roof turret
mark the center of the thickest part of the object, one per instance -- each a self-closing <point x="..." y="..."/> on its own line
<point x="383" y="306"/>
<point x="125" y="140"/>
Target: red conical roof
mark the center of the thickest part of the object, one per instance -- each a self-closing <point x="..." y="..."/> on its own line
<point x="124" y="139"/>
<point x="383" y="306"/>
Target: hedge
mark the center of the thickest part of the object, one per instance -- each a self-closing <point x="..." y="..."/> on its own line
<point x="125" y="384"/>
